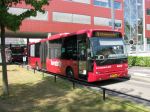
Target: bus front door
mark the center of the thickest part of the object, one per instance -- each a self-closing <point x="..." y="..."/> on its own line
<point x="43" y="55"/>
<point x="82" y="63"/>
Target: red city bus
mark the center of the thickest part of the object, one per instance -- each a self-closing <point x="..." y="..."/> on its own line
<point x="90" y="55"/>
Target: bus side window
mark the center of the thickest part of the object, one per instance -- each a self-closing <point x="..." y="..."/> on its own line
<point x="54" y="48"/>
<point x="69" y="48"/>
<point x="37" y="48"/>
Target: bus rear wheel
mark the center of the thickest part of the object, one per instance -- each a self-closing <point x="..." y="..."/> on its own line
<point x="69" y="72"/>
<point x="37" y="68"/>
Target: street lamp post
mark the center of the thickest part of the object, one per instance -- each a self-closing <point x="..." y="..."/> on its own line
<point x="113" y="14"/>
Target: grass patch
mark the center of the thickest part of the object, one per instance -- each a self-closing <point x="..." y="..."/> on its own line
<point x="31" y="92"/>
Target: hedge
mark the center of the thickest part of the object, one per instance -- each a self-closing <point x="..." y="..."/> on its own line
<point x="139" y="61"/>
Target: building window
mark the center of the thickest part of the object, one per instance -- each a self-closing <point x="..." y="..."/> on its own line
<point x="16" y="11"/>
<point x="39" y="16"/>
<point x="148" y="11"/>
<point x="80" y="1"/>
<point x="106" y="22"/>
<point x="148" y="26"/>
<point x="117" y="5"/>
<point x="103" y="3"/>
<point x="101" y="21"/>
<point x="148" y="40"/>
<point x="107" y="4"/>
<point x="62" y="17"/>
<point x="82" y="19"/>
<point x="139" y="1"/>
<point x="117" y="24"/>
<point x="71" y="18"/>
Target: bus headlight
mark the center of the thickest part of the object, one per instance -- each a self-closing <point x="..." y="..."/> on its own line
<point x="97" y="73"/>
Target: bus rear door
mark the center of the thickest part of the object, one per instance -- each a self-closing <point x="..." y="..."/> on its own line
<point x="43" y="54"/>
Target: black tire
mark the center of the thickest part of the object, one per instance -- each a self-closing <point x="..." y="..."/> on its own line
<point x="37" y="67"/>
<point x="127" y="77"/>
<point x="69" y="72"/>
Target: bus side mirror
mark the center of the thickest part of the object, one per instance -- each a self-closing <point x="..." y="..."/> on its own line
<point x="131" y="42"/>
<point x="101" y="57"/>
<point x="89" y="53"/>
<point x="89" y="58"/>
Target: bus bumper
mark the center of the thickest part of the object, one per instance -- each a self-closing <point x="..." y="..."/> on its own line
<point x="92" y="77"/>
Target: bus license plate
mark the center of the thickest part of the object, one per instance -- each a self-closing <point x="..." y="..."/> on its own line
<point x="113" y="75"/>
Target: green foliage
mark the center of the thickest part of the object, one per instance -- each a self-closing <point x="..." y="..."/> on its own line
<point x="139" y="61"/>
<point x="12" y="21"/>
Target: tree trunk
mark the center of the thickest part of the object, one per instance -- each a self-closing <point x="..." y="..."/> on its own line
<point x="4" y="66"/>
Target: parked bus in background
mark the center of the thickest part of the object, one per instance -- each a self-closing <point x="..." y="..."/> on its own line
<point x="18" y="52"/>
<point x="89" y="55"/>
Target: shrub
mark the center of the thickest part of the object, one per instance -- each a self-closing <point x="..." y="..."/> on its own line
<point x="139" y="61"/>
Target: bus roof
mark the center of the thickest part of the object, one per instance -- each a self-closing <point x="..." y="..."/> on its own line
<point x="30" y="43"/>
<point x="89" y="33"/>
<point x="63" y="35"/>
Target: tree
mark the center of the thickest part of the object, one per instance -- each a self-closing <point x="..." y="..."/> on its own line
<point x="13" y="22"/>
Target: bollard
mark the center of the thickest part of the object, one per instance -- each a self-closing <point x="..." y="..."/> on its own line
<point x="55" y="78"/>
<point x="104" y="97"/>
<point x="43" y="74"/>
<point x="73" y="84"/>
<point x="27" y="67"/>
<point x="34" y="70"/>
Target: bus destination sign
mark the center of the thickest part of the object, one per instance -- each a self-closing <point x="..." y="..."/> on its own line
<point x="106" y="34"/>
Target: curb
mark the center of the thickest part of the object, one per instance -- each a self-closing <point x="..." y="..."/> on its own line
<point x="136" y="78"/>
<point x="140" y="74"/>
<point x="140" y="77"/>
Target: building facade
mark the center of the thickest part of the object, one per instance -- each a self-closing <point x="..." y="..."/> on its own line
<point x="147" y="23"/>
<point x="132" y="18"/>
<point x="137" y="24"/>
<point x="70" y="16"/>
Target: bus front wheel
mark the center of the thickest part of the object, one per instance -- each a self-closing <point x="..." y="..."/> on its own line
<point x="37" y="66"/>
<point x="69" y="72"/>
<point x="128" y="77"/>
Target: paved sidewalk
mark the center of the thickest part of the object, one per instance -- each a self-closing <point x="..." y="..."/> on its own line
<point x="140" y="73"/>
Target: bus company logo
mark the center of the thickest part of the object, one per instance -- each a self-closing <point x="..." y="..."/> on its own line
<point x="56" y="63"/>
<point x="104" y="67"/>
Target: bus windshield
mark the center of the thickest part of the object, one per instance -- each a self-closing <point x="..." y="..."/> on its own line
<point x="108" y="48"/>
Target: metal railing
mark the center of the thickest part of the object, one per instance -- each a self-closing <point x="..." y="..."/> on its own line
<point x="83" y="83"/>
